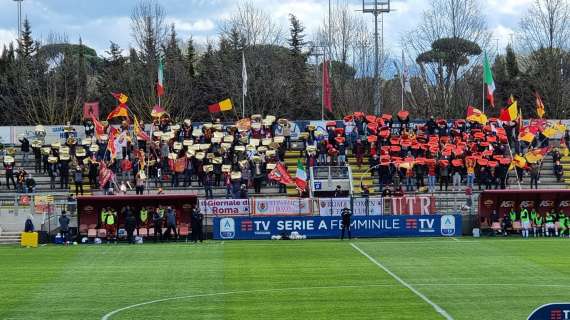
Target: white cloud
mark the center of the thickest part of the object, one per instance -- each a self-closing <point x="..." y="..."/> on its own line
<point x="507" y="7"/>
<point x="200" y="25"/>
<point x="7" y="36"/>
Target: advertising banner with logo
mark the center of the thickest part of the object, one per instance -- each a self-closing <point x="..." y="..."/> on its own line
<point x="333" y="206"/>
<point x="551" y="311"/>
<point x="505" y="200"/>
<point x="262" y="228"/>
<point x="280" y="207"/>
<point x="225" y="207"/>
<point x="413" y="205"/>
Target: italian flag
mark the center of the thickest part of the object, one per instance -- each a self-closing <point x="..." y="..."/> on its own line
<point x="488" y="80"/>
<point x="160" y="84"/>
<point x="301" y="176"/>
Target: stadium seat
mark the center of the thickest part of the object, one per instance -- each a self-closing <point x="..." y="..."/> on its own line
<point x="183" y="232"/>
<point x="150" y="232"/>
<point x="83" y="229"/>
<point x="92" y="226"/>
<point x="143" y="232"/>
<point x="517" y="226"/>
<point x="101" y="233"/>
<point x="92" y="233"/>
<point x="496" y="226"/>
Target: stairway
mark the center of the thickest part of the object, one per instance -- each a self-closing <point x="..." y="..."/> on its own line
<point x="86" y="188"/>
<point x="9" y="237"/>
<point x="291" y="157"/>
<point x="359" y="173"/>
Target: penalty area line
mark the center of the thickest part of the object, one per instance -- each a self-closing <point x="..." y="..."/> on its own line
<point x="437" y="308"/>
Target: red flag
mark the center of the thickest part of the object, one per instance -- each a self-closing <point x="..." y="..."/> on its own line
<point x="139" y="132"/>
<point x="99" y="128"/>
<point x="105" y="174"/>
<point x="281" y="175"/>
<point x="327" y="92"/>
<point x="111" y="147"/>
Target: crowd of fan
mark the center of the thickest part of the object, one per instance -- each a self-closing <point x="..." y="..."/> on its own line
<point x="402" y="155"/>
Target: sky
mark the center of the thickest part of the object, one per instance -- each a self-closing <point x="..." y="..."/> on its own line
<point x="101" y="21"/>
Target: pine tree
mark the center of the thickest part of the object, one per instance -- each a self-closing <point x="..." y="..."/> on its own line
<point x="26" y="45"/>
<point x="81" y="72"/>
<point x="296" y="42"/>
<point x="191" y="58"/>
<point x="511" y="63"/>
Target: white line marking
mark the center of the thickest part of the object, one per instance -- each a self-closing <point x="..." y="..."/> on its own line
<point x="404" y="283"/>
<point x="112" y="313"/>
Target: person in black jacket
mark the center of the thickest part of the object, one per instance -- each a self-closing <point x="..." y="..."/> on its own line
<point x="9" y="169"/>
<point x="196" y="223"/>
<point x="157" y="221"/>
<point x="346" y="217"/>
<point x="25" y="148"/>
<point x="63" y="174"/>
<point x="64" y="226"/>
<point x="130" y="225"/>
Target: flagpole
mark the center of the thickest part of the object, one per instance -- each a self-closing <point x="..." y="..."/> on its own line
<point x="402" y="81"/>
<point x="323" y="90"/>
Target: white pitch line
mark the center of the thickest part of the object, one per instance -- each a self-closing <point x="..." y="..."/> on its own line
<point x="522" y="285"/>
<point x="404" y="283"/>
<point x="454" y="238"/>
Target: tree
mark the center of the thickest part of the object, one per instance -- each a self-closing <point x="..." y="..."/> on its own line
<point x="447" y="19"/>
<point x="26" y="45"/>
<point x="253" y="24"/>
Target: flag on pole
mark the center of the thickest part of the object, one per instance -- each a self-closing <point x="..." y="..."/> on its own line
<point x="244" y="75"/>
<point x="475" y="115"/>
<point x="301" y="176"/>
<point x="121" y="97"/>
<point x="99" y="128"/>
<point x="139" y="132"/>
<point x="405" y="76"/>
<point x="111" y="145"/>
<point x="511" y="113"/>
<point x="225" y="105"/>
<point x="119" y="111"/>
<point x="160" y="83"/>
<point x="539" y="106"/>
<point x="488" y="80"/>
<point x="327" y="98"/>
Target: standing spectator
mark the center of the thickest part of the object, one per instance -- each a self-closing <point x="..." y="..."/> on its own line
<point x="21" y="179"/>
<point x="37" y="159"/>
<point x="78" y="180"/>
<point x="470" y="174"/>
<point x="196" y="222"/>
<point x="9" y="171"/>
<point x="157" y="223"/>
<point x="243" y="192"/>
<point x="93" y="174"/>
<point x="257" y="175"/>
<point x="431" y="178"/>
<point x="443" y="176"/>
<point x="25" y="149"/>
<point x="126" y="169"/>
<point x="338" y="193"/>
<point x="52" y="171"/>
<point x="358" y="151"/>
<point x="139" y="183"/>
<point x="534" y="174"/>
<point x="64" y="226"/>
<point x="207" y="183"/>
<point x="409" y="179"/>
<point x="346" y="217"/>
<point x="171" y="223"/>
<point x="63" y="174"/>
<point x="130" y="226"/>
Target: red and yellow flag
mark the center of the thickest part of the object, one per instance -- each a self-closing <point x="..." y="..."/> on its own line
<point x="119" y="111"/>
<point x="225" y="105"/>
<point x="139" y="132"/>
<point x="99" y="128"/>
<point x="511" y="113"/>
<point x="121" y="97"/>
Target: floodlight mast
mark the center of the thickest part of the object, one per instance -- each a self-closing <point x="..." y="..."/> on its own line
<point x="377" y="7"/>
<point x="19" y="18"/>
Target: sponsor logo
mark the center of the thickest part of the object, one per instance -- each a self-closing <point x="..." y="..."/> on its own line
<point x="546" y="203"/>
<point x="565" y="203"/>
<point x="246" y="225"/>
<point x="488" y="203"/>
<point x="527" y="204"/>
<point x="261" y="207"/>
<point x="552" y="311"/>
<point x="507" y="204"/>
<point x="411" y="224"/>
<point x="447" y="225"/>
<point x="227" y="228"/>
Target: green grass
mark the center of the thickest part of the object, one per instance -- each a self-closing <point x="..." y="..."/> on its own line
<point x="468" y="278"/>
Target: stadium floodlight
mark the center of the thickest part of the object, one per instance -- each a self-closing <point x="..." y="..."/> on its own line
<point x="377" y="7"/>
<point x="19" y="18"/>
<point x="318" y="51"/>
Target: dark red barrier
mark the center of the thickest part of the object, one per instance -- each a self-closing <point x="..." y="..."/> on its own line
<point x="542" y="200"/>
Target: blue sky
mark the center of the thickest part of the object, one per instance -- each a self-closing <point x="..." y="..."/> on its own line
<point x="99" y="21"/>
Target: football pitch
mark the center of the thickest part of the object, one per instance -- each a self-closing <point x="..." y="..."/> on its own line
<point x="463" y="278"/>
